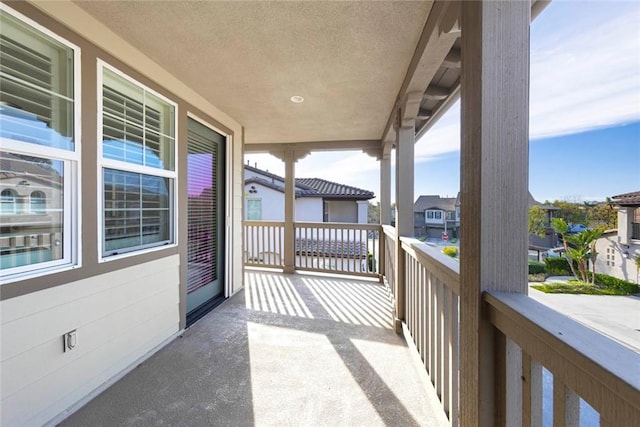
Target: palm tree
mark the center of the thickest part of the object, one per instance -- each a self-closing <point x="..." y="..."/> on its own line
<point x="579" y="248"/>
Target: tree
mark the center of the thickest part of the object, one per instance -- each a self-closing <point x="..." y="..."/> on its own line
<point x="602" y="215"/>
<point x="572" y="213"/>
<point x="373" y="213"/>
<point x="537" y="223"/>
<point x="580" y="249"/>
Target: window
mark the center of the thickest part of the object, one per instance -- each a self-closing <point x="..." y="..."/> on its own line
<point x="37" y="202"/>
<point x="8" y="201"/>
<point x="137" y="165"/>
<point x="325" y="211"/>
<point x="434" y="214"/>
<point x="39" y="117"/>
<point x="254" y="209"/>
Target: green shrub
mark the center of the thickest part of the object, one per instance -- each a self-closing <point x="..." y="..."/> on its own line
<point x="452" y="251"/>
<point x="371" y="262"/>
<point x="537" y="277"/>
<point x="557" y="266"/>
<point x="611" y="282"/>
<point x="453" y="240"/>
<point x="537" y="267"/>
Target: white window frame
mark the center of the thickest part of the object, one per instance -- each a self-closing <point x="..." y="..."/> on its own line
<point x="72" y="224"/>
<point x="119" y="165"/>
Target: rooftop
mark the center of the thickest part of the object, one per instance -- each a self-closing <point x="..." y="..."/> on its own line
<point x="627" y="199"/>
<point x="310" y="187"/>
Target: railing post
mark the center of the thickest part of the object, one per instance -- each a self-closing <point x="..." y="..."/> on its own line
<point x="494" y="188"/>
<point x="385" y="186"/>
<point x="381" y="254"/>
<point x="289" y="211"/>
<point x="404" y="194"/>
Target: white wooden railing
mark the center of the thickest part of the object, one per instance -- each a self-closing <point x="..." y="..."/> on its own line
<point x="583" y="363"/>
<point x="534" y="345"/>
<point x="389" y="256"/>
<point x="337" y="247"/>
<point x="432" y="289"/>
<point x="342" y="248"/>
<point x="264" y="244"/>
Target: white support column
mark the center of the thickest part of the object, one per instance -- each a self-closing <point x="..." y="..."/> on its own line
<point x="289" y="210"/>
<point x="404" y="209"/>
<point x="385" y="188"/>
<point x="494" y="187"/>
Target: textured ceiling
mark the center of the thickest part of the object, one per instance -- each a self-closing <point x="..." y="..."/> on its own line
<point x="347" y="59"/>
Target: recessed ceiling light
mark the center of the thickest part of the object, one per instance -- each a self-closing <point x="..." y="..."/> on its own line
<point x="297" y="99"/>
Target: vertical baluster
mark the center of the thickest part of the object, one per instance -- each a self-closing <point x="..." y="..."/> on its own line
<point x="513" y="378"/>
<point x="566" y="405"/>
<point x="455" y="362"/>
<point x="432" y="328"/>
<point x="447" y="351"/>
<point x="531" y="392"/>
<point x="440" y="338"/>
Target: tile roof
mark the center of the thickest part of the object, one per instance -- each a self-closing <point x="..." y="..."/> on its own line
<point x="434" y="202"/>
<point x="335" y="190"/>
<point x="310" y="187"/>
<point x="627" y="199"/>
<point x="331" y="248"/>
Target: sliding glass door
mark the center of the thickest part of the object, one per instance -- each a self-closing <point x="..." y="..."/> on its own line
<point x="205" y="184"/>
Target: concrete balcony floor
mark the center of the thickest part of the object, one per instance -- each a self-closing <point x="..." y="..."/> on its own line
<point x="289" y="350"/>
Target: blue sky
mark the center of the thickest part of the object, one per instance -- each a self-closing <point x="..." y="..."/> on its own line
<point x="584" y="118"/>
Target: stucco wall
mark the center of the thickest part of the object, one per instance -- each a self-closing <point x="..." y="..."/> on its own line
<point x="343" y="211"/>
<point x="617" y="259"/>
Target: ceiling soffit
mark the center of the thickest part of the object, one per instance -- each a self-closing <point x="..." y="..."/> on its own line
<point x="347" y="59"/>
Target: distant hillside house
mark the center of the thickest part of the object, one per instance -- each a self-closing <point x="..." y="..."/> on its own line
<point x="618" y="249"/>
<point x="317" y="200"/>
<point x="432" y="215"/>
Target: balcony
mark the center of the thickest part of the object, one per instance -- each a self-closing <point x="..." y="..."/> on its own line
<point x="319" y="348"/>
<point x="288" y="350"/>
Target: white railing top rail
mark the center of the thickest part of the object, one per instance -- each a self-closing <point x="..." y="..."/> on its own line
<point x="338" y="225"/>
<point x="264" y="223"/>
<point x="603" y="372"/>
<point x="444" y="267"/>
<point x="389" y="230"/>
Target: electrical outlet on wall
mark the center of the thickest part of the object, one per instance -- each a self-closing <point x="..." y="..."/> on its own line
<point x="70" y="340"/>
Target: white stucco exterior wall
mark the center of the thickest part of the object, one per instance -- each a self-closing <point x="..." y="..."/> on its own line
<point x="308" y="209"/>
<point x="363" y="208"/>
<point x="343" y="211"/>
<point x="617" y="259"/>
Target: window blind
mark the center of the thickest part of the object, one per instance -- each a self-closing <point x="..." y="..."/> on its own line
<point x="203" y="211"/>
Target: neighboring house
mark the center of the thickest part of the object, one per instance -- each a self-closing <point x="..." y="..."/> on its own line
<point x="433" y="215"/>
<point x="550" y="239"/>
<point x="618" y="249"/>
<point x="317" y="200"/>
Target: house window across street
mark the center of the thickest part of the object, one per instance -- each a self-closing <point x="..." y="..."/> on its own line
<point x="39" y="161"/>
<point x="138" y="172"/>
<point x="254" y="209"/>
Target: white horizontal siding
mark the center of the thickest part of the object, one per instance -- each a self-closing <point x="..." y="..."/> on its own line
<point x="119" y="316"/>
